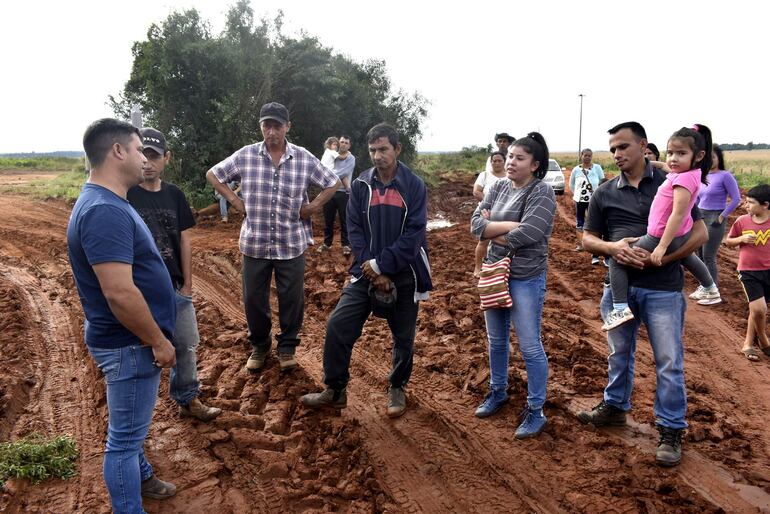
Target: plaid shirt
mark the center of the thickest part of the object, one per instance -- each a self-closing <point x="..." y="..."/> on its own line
<point x="272" y="228"/>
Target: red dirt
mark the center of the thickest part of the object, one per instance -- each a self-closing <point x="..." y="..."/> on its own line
<point x="268" y="454"/>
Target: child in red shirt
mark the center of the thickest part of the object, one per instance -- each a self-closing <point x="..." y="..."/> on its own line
<point x="751" y="232"/>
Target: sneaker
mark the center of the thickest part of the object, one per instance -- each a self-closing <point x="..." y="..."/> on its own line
<point x="493" y="402"/>
<point x="346" y="250"/>
<point x="396" y="402"/>
<point x="256" y="360"/>
<point x="199" y="410"/>
<point x="669" y="451"/>
<point x="579" y="248"/>
<point x="606" y="262"/>
<point x="224" y="220"/>
<point x="288" y="361"/>
<point x="603" y="415"/>
<point x="698" y="293"/>
<point x="326" y="398"/>
<point x="595" y="260"/>
<point x="617" y="318"/>
<point x="324" y="247"/>
<point x="157" y="489"/>
<point x="532" y="423"/>
<point x="710" y="297"/>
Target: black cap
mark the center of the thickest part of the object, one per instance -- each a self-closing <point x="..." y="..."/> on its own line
<point x="153" y="139"/>
<point x="504" y="135"/>
<point x="274" y="111"/>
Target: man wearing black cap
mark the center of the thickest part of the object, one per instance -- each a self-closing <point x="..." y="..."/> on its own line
<point x="165" y="210"/>
<point x="503" y="141"/>
<point x="276" y="230"/>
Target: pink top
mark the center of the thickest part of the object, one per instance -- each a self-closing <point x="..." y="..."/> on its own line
<point x="663" y="203"/>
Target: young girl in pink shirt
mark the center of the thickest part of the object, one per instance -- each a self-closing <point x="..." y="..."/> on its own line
<point x="688" y="157"/>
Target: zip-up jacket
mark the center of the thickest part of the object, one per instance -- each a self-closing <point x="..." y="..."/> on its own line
<point x="409" y="250"/>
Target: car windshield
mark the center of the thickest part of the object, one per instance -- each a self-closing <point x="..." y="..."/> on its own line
<point x="553" y="165"/>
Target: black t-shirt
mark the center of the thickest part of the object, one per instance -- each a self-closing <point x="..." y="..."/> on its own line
<point x="167" y="214"/>
<point x="618" y="210"/>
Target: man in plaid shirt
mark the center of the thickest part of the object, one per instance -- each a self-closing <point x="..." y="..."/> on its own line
<point x="276" y="230"/>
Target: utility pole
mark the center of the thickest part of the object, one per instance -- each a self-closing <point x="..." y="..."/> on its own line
<point x="580" y="132"/>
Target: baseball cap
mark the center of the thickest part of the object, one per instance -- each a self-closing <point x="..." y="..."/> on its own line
<point x="153" y="139"/>
<point x="505" y="135"/>
<point x="274" y="111"/>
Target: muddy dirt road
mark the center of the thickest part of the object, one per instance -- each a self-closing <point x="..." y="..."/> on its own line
<point x="268" y="454"/>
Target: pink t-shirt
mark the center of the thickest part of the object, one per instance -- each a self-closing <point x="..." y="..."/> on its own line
<point x="663" y="203"/>
<point x="752" y="257"/>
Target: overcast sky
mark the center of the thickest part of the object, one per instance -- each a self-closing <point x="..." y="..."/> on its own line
<point x="484" y="66"/>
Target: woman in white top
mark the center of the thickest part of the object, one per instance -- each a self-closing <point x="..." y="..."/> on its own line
<point x="583" y="181"/>
<point x="482" y="184"/>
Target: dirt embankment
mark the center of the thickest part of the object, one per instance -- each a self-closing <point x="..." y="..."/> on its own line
<point x="268" y="454"/>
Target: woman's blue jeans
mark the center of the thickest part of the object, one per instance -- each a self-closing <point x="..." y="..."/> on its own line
<point x="132" y="388"/>
<point x="528" y="295"/>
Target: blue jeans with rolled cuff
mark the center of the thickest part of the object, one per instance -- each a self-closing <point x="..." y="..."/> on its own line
<point x="183" y="380"/>
<point x="528" y="295"/>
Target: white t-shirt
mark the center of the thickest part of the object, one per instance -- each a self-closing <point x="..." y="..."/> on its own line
<point x="486" y="179"/>
<point x="328" y="158"/>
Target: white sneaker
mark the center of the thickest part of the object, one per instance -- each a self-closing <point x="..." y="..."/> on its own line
<point x="617" y="318"/>
<point x="595" y="260"/>
<point x="698" y="293"/>
<point x="710" y="297"/>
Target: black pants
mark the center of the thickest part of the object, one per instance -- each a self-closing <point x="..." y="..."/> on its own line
<point x="338" y="204"/>
<point x="347" y="321"/>
<point x="290" y="283"/>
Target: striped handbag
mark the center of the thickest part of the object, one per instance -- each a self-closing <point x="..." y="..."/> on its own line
<point x="493" y="285"/>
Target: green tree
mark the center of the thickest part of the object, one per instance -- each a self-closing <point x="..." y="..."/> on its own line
<point x="205" y="91"/>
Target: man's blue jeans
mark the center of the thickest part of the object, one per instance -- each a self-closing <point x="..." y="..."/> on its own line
<point x="662" y="312"/>
<point x="183" y="381"/>
<point x="132" y="388"/>
<point x="528" y="295"/>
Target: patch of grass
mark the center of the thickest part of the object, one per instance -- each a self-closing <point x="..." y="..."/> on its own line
<point x="40" y="163"/>
<point x="65" y="186"/>
<point x="431" y="165"/>
<point x="36" y="458"/>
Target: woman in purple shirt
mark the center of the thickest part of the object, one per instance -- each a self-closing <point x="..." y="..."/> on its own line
<point x="713" y="204"/>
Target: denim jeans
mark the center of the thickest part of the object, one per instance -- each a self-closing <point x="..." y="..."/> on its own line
<point x="662" y="312"/>
<point x="716" y="231"/>
<point x="528" y="295"/>
<point x="132" y="388"/>
<point x="347" y="321"/>
<point x="183" y="381"/>
<point x="290" y="286"/>
<point x="223" y="207"/>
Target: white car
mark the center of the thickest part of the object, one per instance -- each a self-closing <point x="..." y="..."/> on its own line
<point x="555" y="177"/>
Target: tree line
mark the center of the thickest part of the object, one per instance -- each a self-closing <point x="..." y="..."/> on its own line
<point x="204" y="91"/>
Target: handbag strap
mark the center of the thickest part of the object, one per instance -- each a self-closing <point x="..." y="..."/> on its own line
<point x="527" y="192"/>
<point x="588" y="180"/>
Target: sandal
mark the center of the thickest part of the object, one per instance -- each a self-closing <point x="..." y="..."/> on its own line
<point x="766" y="350"/>
<point x="751" y="354"/>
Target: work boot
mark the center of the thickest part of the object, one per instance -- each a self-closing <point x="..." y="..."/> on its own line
<point x="669" y="451"/>
<point x="493" y="402"/>
<point x="157" y="489"/>
<point x="602" y="415"/>
<point x="327" y="398"/>
<point x="532" y="423"/>
<point x="199" y="410"/>
<point x="256" y="360"/>
<point x="396" y="402"/>
<point x="288" y="361"/>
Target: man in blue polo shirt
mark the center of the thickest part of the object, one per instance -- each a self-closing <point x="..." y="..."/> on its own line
<point x="129" y="305"/>
<point x="618" y="213"/>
